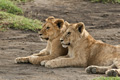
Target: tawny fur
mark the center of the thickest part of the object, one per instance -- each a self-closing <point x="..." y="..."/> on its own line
<point x="84" y="50"/>
<point x="51" y="31"/>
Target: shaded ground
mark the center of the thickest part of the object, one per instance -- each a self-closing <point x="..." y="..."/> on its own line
<point x="103" y="23"/>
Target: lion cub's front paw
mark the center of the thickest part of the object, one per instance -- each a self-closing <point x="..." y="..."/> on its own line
<point x="50" y="64"/>
<point x="112" y="72"/>
<point x="21" y="60"/>
<point x="43" y="62"/>
<point x="91" y="69"/>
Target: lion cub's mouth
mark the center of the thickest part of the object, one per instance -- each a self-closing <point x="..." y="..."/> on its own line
<point x="44" y="38"/>
<point x="65" y="45"/>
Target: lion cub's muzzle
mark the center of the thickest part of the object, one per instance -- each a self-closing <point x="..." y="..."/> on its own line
<point x="43" y="38"/>
<point x="64" y="44"/>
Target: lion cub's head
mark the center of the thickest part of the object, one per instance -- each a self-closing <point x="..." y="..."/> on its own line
<point x="73" y="33"/>
<point x="51" y="28"/>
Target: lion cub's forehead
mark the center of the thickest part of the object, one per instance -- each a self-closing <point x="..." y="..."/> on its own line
<point x="48" y="24"/>
<point x="71" y="27"/>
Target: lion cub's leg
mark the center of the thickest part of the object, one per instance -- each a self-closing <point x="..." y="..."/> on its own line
<point x="97" y="69"/>
<point x="26" y="59"/>
<point x="37" y="59"/>
<point x="45" y="61"/>
<point x="22" y="60"/>
<point x="30" y="59"/>
<point x="42" y="53"/>
<point x="114" y="72"/>
<point x="39" y="54"/>
<point x="62" y="62"/>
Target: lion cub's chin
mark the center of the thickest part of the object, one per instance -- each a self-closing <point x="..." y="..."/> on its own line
<point x="42" y="39"/>
<point x="65" y="46"/>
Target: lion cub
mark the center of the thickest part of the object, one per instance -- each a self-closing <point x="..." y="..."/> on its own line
<point x="84" y="50"/>
<point x="51" y="32"/>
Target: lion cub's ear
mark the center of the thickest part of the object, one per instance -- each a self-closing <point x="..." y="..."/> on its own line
<point x="64" y="27"/>
<point x="80" y="27"/>
<point x="50" y="18"/>
<point x="59" y="23"/>
<point x="67" y="23"/>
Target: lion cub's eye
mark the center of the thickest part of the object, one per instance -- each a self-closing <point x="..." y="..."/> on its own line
<point x="69" y="33"/>
<point x="47" y="27"/>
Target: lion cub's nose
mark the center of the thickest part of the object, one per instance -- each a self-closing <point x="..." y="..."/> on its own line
<point x="61" y="40"/>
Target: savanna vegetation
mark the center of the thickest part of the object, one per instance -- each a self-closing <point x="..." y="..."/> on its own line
<point x="11" y="17"/>
<point x="107" y="78"/>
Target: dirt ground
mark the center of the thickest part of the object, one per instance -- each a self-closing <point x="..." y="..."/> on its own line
<point x="102" y="21"/>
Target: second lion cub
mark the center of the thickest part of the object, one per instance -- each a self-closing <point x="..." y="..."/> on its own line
<point x="84" y="50"/>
